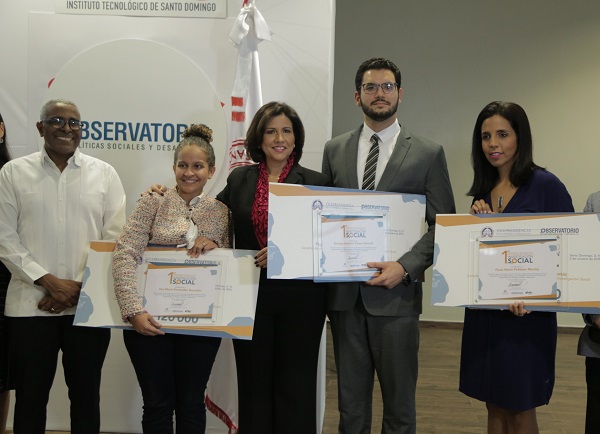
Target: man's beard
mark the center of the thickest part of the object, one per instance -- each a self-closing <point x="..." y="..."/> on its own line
<point x="377" y="115"/>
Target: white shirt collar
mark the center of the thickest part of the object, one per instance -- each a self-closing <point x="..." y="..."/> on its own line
<point x="75" y="158"/>
<point x="197" y="199"/>
<point x="385" y="134"/>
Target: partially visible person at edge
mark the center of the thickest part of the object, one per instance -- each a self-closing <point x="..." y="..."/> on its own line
<point x="52" y="204"/>
<point x="277" y="369"/>
<point x="375" y="325"/>
<point x="507" y="358"/>
<point x="172" y="369"/>
<point x="589" y="346"/>
<point x="5" y="386"/>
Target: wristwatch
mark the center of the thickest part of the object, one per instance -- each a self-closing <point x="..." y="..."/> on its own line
<point x="406" y="277"/>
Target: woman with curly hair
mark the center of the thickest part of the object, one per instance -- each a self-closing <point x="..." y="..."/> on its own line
<point x="172" y="369"/>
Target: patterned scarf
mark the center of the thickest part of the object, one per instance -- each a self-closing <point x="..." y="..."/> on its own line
<point x="260" y="207"/>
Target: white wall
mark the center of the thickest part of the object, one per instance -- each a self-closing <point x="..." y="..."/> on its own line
<point x="457" y="56"/>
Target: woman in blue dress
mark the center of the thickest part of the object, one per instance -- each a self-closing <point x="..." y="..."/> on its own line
<point x="508" y="356"/>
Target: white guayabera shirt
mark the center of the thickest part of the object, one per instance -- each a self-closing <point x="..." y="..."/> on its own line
<point x="48" y="218"/>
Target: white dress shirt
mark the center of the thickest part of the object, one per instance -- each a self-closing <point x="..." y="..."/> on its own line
<point x="48" y="218"/>
<point x="387" y="141"/>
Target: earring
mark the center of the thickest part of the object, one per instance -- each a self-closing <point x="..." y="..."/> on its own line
<point x="1" y="140"/>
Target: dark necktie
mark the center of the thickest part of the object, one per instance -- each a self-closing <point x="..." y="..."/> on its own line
<point x="371" y="164"/>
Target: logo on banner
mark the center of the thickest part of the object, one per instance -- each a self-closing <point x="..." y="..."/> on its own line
<point x="136" y="98"/>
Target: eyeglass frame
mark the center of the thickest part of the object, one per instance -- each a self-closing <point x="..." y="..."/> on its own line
<point x="377" y="86"/>
<point x="62" y="122"/>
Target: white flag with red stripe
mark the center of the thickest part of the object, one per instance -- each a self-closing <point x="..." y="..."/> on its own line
<point x="248" y="31"/>
<point x="221" y="391"/>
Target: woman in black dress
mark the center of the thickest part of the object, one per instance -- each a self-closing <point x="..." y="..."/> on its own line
<point x="277" y="369"/>
<point x="4" y="279"/>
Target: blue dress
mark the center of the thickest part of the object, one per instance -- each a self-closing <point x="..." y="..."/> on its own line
<point x="508" y="360"/>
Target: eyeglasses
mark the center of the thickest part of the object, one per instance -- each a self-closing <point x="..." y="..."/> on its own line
<point x="371" y="88"/>
<point x="74" y="124"/>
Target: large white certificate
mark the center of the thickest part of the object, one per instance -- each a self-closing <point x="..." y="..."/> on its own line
<point x="213" y="295"/>
<point x="330" y="234"/>
<point x="549" y="261"/>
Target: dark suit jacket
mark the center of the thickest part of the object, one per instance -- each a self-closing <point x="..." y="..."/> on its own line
<point x="416" y="166"/>
<point x="239" y="193"/>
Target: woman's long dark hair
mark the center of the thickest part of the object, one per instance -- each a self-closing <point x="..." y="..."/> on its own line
<point x="4" y="154"/>
<point x="485" y="176"/>
<point x="254" y="135"/>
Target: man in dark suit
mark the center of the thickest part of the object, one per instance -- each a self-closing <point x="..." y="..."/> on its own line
<point x="375" y="324"/>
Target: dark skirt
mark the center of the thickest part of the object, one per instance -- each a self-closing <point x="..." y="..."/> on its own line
<point x="508" y="360"/>
<point x="4" y="279"/>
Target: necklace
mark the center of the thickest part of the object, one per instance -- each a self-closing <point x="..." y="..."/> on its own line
<point x="502" y="196"/>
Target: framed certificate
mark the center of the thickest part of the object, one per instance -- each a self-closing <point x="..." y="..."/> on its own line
<point x="182" y="289"/>
<point x="346" y="241"/>
<point x="517" y="268"/>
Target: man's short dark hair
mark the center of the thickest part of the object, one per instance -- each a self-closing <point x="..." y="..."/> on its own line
<point x="376" y="63"/>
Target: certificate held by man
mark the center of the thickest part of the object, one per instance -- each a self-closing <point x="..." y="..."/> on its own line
<point x="330" y="234"/>
<point x="347" y="243"/>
